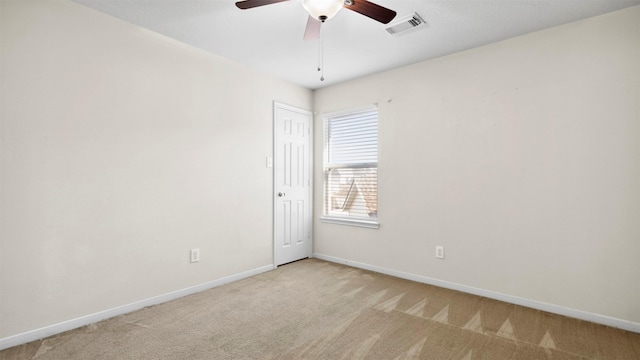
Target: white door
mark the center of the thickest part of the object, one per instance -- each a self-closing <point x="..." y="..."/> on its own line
<point x="292" y="184"/>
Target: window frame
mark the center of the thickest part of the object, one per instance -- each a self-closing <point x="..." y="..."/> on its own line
<point x="337" y="219"/>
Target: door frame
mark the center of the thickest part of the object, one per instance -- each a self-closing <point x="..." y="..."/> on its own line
<point x="278" y="105"/>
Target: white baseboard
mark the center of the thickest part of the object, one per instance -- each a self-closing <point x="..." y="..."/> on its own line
<point x="40" y="333"/>
<point x="556" y="309"/>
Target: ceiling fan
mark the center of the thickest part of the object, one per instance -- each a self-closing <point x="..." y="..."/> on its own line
<point x="323" y="10"/>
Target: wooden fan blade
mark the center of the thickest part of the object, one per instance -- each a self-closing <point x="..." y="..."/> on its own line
<point x="249" y="4"/>
<point x="374" y="11"/>
<point x="313" y="29"/>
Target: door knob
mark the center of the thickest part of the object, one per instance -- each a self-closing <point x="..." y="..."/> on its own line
<point x="281" y="194"/>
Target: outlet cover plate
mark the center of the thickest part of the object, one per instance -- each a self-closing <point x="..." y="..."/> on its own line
<point x="195" y="255"/>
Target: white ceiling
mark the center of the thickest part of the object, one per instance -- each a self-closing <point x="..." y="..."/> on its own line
<point x="269" y="38"/>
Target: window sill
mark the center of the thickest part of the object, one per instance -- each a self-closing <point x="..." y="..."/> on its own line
<point x="371" y="224"/>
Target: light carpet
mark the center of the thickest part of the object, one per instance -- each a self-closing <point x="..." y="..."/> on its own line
<point x="314" y="309"/>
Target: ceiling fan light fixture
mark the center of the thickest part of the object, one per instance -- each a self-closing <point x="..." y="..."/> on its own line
<point x="322" y="9"/>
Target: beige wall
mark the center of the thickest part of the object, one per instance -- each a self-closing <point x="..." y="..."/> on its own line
<point x="522" y="158"/>
<point x="120" y="151"/>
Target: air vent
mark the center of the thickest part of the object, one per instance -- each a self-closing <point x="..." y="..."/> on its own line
<point x="405" y="24"/>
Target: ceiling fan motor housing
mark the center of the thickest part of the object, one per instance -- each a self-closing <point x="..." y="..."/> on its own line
<point x="323" y="10"/>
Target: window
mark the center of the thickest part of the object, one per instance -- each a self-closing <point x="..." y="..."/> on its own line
<point x="351" y="168"/>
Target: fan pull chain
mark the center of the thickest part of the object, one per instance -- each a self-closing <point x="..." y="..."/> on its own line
<point x="321" y="56"/>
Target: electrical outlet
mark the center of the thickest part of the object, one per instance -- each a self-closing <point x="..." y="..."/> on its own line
<point x="195" y="255"/>
<point x="440" y="252"/>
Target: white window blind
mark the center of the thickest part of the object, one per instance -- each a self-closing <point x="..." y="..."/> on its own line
<point x="351" y="166"/>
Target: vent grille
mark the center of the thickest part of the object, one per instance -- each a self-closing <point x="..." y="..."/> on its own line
<point x="405" y="24"/>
